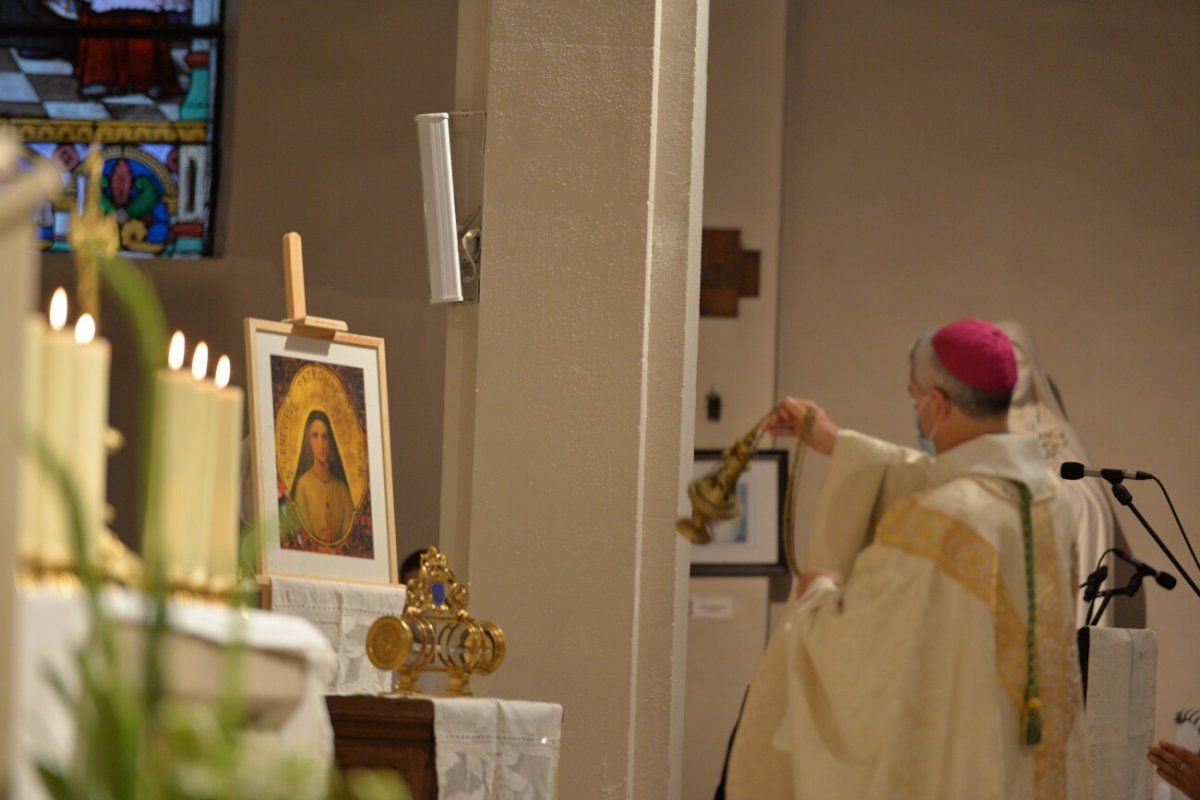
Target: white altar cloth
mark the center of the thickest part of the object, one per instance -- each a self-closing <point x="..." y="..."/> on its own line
<point x="344" y="612"/>
<point x="496" y="748"/>
<point x="288" y="662"/>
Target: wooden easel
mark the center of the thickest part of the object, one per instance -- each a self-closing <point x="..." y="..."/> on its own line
<point x="335" y="331"/>
<point x="293" y="286"/>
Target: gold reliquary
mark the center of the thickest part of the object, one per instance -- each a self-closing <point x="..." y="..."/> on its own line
<point x="435" y="634"/>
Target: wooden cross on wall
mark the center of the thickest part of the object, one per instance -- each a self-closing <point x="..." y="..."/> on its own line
<point x="727" y="272"/>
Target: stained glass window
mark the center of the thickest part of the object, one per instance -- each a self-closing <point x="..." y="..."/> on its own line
<point x="137" y="78"/>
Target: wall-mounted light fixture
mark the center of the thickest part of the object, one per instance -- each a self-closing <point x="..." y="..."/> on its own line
<point x="453" y="248"/>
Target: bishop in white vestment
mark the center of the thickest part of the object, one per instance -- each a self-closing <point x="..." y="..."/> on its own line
<point x="944" y="664"/>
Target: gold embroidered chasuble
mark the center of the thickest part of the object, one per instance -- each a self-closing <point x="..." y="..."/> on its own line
<point x="908" y="681"/>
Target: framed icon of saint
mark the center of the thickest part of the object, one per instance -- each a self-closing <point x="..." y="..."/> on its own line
<point x="319" y="446"/>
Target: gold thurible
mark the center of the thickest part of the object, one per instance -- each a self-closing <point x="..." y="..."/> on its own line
<point x="714" y="496"/>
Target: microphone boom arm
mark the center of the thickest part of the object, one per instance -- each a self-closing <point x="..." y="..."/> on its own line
<point x="1123" y="496"/>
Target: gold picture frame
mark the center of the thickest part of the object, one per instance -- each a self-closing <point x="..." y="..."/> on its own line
<point x="320" y="454"/>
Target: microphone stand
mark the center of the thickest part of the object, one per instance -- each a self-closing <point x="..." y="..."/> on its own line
<point x="1121" y="493"/>
<point x="1129" y="590"/>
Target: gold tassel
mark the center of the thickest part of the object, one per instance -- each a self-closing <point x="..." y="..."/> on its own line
<point x="1033" y="720"/>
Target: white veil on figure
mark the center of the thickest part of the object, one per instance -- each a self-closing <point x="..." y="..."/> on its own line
<point x="1037" y="408"/>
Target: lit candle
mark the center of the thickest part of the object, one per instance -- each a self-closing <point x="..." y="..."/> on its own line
<point x="226" y="505"/>
<point x="171" y="478"/>
<point x="59" y="404"/>
<point x="198" y="530"/>
<point x="89" y="454"/>
<point x="30" y="521"/>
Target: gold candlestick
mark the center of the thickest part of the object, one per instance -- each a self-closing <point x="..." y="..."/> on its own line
<point x="94" y="237"/>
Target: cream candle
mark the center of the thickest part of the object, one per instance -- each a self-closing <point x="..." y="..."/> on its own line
<point x="30" y="496"/>
<point x="198" y="529"/>
<point x="57" y="429"/>
<point x="226" y="504"/>
<point x="89" y="455"/>
<point x="171" y="478"/>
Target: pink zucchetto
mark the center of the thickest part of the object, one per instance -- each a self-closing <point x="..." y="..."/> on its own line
<point x="977" y="353"/>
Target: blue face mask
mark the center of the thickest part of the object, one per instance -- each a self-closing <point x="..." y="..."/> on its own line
<point x="924" y="442"/>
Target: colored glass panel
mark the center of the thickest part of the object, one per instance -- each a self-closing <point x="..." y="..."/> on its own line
<point x="137" y="78"/>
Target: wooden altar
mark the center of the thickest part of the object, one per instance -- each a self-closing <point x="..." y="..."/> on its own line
<point x="386" y="732"/>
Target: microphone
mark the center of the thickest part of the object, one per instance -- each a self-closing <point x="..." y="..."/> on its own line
<point x="1073" y="471"/>
<point x="1164" y="579"/>
<point x="1091" y="586"/>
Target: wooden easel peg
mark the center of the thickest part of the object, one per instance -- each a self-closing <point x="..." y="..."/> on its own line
<point x="293" y="285"/>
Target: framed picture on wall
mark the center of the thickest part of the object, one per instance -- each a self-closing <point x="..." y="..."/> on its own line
<point x="319" y="448"/>
<point x="749" y="544"/>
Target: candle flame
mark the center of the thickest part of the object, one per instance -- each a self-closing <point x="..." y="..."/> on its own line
<point x="221" y="375"/>
<point x="58" y="309"/>
<point x="175" y="352"/>
<point x="85" y="329"/>
<point x="200" y="361"/>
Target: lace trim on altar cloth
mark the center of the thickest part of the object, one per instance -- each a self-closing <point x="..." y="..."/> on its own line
<point x="344" y="612"/>
<point x="489" y="748"/>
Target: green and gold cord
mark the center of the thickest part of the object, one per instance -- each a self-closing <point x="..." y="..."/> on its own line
<point x="1031" y="722"/>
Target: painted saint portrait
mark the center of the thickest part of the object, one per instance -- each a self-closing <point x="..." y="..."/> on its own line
<point x="319" y="490"/>
<point x="321" y="458"/>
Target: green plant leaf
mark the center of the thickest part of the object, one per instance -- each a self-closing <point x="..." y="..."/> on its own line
<point x="55" y="783"/>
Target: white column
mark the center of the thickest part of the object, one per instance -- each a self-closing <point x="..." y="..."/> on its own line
<point x="582" y="380"/>
<point x="656" y="741"/>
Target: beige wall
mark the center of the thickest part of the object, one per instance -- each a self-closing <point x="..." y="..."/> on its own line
<point x="1023" y="160"/>
<point x="742" y="184"/>
<point x="318" y="138"/>
<point x="743" y="175"/>
<point x="727" y="628"/>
